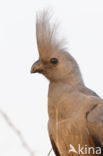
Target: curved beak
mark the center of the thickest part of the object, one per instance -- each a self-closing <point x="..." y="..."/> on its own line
<point x="37" y="67"/>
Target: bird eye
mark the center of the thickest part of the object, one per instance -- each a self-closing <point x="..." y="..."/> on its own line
<point x="54" y="60"/>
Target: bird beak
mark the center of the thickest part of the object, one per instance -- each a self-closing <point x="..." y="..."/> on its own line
<point x="37" y="67"/>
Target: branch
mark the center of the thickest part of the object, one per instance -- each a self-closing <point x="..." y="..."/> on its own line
<point x="18" y="133"/>
<point x="49" y="152"/>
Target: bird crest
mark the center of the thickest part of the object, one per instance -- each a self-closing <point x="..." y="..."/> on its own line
<point x="46" y="35"/>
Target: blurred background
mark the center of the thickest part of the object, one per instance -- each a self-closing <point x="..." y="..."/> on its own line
<point x="23" y="97"/>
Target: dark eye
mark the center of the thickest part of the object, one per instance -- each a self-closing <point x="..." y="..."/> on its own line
<point x="54" y="60"/>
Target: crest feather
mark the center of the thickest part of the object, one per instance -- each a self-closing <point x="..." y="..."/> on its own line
<point x="46" y="35"/>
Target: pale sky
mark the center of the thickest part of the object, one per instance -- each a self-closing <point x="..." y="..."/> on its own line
<point x="24" y="96"/>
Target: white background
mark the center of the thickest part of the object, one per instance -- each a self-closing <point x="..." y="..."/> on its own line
<point x="24" y="96"/>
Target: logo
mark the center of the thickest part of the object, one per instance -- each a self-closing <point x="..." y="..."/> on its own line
<point x="85" y="149"/>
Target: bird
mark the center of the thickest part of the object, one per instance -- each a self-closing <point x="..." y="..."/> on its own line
<point x="75" y="111"/>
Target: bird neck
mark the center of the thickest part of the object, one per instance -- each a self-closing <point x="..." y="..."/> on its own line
<point x="73" y="80"/>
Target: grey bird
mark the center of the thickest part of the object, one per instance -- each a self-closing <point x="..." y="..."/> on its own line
<point x="75" y="112"/>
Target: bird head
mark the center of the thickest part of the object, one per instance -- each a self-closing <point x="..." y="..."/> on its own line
<point x="54" y="62"/>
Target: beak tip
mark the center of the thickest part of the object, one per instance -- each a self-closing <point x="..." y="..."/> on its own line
<point x="32" y="71"/>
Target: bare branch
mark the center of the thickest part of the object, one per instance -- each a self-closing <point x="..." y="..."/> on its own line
<point x="49" y="152"/>
<point x="17" y="132"/>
